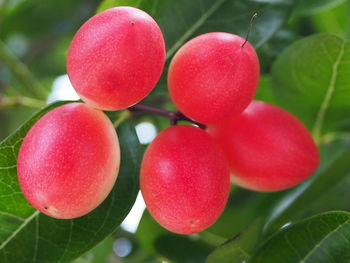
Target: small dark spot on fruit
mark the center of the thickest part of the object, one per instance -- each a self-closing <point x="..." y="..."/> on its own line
<point x="132" y="23"/>
<point x="191" y="222"/>
<point x="45" y="207"/>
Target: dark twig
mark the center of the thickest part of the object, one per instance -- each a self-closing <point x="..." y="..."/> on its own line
<point x="174" y="117"/>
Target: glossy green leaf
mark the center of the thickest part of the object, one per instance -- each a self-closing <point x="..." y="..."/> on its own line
<point x="28" y="236"/>
<point x="182" y="20"/>
<point x="311" y="78"/>
<point x="324" y="238"/>
<point x="309" y="7"/>
<point x="239" y="248"/>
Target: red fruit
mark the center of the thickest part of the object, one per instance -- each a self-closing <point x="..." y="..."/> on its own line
<point x="184" y="179"/>
<point x="69" y="161"/>
<point x="213" y="77"/>
<point x="268" y="148"/>
<point x="116" y="58"/>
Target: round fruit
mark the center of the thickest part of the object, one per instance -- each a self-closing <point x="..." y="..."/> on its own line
<point x="268" y="148"/>
<point x="213" y="77"/>
<point x="69" y="161"/>
<point x="185" y="179"/>
<point x="116" y="58"/>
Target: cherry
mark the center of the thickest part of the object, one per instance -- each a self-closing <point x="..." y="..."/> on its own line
<point x="213" y="76"/>
<point x="268" y="148"/>
<point x="184" y="179"/>
<point x="116" y="58"/>
<point x="69" y="161"/>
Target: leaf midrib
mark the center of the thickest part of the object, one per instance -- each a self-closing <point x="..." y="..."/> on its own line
<point x="310" y="253"/>
<point x="26" y="222"/>
<point x="328" y="96"/>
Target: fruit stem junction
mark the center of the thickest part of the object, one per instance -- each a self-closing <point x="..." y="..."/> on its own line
<point x="174" y="117"/>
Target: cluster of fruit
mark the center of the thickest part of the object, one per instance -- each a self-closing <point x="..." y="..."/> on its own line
<point x="69" y="160"/>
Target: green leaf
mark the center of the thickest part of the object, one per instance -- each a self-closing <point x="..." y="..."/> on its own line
<point x="323" y="238"/>
<point x="182" y="20"/>
<point x="28" y="236"/>
<point x="309" y="7"/>
<point x="238" y="248"/>
<point x="311" y="79"/>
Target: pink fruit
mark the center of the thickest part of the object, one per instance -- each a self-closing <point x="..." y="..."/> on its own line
<point x="184" y="179"/>
<point x="69" y="161"/>
<point x="268" y="148"/>
<point x="213" y="77"/>
<point x="116" y="58"/>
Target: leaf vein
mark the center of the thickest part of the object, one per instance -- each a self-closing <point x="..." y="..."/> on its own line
<point x="328" y="96"/>
<point x="26" y="222"/>
<point x="323" y="240"/>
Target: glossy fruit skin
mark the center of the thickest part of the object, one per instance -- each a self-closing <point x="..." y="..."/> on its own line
<point x="212" y="77"/>
<point x="185" y="179"/>
<point x="69" y="161"/>
<point x="268" y="148"/>
<point x="116" y="58"/>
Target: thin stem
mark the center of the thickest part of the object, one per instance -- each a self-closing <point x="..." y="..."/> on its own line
<point x="7" y="102"/>
<point x="154" y="110"/>
<point x="181" y="117"/>
<point x="22" y="72"/>
<point x="249" y="28"/>
<point x="121" y="118"/>
<point x="330" y="137"/>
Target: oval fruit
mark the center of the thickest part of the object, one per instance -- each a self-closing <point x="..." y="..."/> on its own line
<point x="116" y="58"/>
<point x="185" y="179"/>
<point x="213" y="77"/>
<point x="268" y="149"/>
<point x="69" y="161"/>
